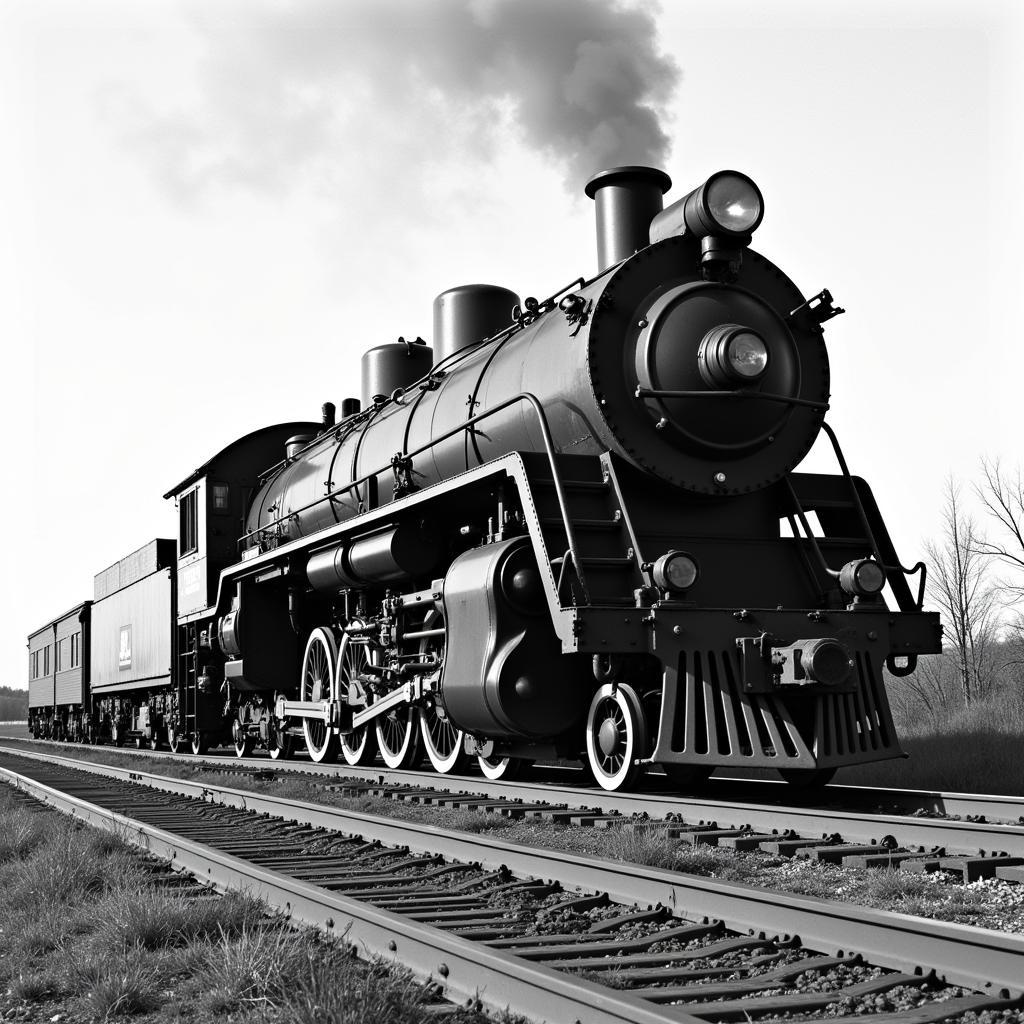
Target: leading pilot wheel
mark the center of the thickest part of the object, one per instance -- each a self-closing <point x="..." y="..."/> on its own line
<point x="616" y="736"/>
<point x="319" y="666"/>
<point x="807" y="778"/>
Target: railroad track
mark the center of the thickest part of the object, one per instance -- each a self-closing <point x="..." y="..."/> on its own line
<point x="486" y="921"/>
<point x="865" y="831"/>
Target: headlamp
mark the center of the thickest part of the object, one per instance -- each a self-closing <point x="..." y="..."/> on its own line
<point x="862" y="578"/>
<point x="728" y="206"/>
<point x="675" y="570"/>
<point x="733" y="202"/>
<point x="731" y="355"/>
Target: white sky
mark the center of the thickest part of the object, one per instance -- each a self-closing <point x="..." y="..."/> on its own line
<point x="143" y="329"/>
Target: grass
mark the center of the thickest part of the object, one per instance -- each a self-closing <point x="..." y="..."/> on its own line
<point x="87" y="934"/>
<point x="964" y="750"/>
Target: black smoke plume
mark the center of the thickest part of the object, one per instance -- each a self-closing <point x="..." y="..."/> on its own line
<point x="295" y="92"/>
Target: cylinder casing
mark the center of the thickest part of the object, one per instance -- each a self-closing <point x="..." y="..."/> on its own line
<point x="400" y="552"/>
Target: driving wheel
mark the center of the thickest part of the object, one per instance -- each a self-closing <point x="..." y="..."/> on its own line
<point x="358" y="746"/>
<point x="319" y="665"/>
<point x="442" y="741"/>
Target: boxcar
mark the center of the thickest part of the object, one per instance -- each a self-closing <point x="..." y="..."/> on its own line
<point x="59" y="672"/>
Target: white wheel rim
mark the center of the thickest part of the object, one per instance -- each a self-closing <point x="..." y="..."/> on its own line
<point x="494" y="770"/>
<point x="396" y="730"/>
<point x="319" y="667"/>
<point x="443" y="742"/>
<point x="615" y="712"/>
<point x="356" y="747"/>
<point x="441" y="739"/>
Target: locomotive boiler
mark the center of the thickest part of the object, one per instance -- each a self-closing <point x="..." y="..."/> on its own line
<point x="570" y="528"/>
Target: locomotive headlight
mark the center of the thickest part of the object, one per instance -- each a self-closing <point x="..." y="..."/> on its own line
<point x="862" y="578"/>
<point x="675" y="570"/>
<point x="731" y="354"/>
<point x="747" y="355"/>
<point x="728" y="206"/>
<point x="734" y="202"/>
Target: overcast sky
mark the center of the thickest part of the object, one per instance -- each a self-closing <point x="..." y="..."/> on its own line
<point x="210" y="210"/>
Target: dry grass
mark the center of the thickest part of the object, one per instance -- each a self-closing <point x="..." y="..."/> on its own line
<point x="84" y="933"/>
<point x="964" y="750"/>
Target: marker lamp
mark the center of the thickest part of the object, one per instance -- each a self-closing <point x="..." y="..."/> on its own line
<point x="675" y="570"/>
<point x="862" y="578"/>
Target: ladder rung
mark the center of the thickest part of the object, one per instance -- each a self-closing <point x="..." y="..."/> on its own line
<point x="837" y="541"/>
<point x="581" y="524"/>
<point x="573" y="485"/>
<point x="600" y="563"/>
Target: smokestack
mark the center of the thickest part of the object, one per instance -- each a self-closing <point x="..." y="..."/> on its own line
<point x="628" y="199"/>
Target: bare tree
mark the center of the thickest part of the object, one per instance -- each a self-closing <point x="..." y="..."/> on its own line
<point x="959" y="585"/>
<point x="929" y="692"/>
<point x="1002" y="494"/>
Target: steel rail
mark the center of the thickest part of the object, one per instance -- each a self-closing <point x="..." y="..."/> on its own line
<point x="955" y="835"/>
<point x="462" y="969"/>
<point x="959" y="954"/>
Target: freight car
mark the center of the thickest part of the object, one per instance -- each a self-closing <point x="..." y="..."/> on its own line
<point x="571" y="529"/>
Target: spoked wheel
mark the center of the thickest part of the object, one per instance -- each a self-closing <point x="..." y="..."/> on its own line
<point x="442" y="741"/>
<point x="616" y="736"/>
<point x="243" y="743"/>
<point x="139" y="742"/>
<point x="175" y="740"/>
<point x="358" y="746"/>
<point x="281" y="745"/>
<point x="807" y="778"/>
<point x="687" y="776"/>
<point x="398" y="736"/>
<point x="502" y="768"/>
<point x="200" y="743"/>
<point x="154" y="742"/>
<point x="319" y="665"/>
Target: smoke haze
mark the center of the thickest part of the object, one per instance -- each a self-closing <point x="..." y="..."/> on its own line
<point x="296" y="94"/>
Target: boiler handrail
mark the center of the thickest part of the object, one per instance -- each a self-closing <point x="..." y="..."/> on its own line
<point x="549" y="448"/>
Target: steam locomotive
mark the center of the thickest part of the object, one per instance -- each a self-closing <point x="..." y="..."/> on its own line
<point x="571" y="529"/>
